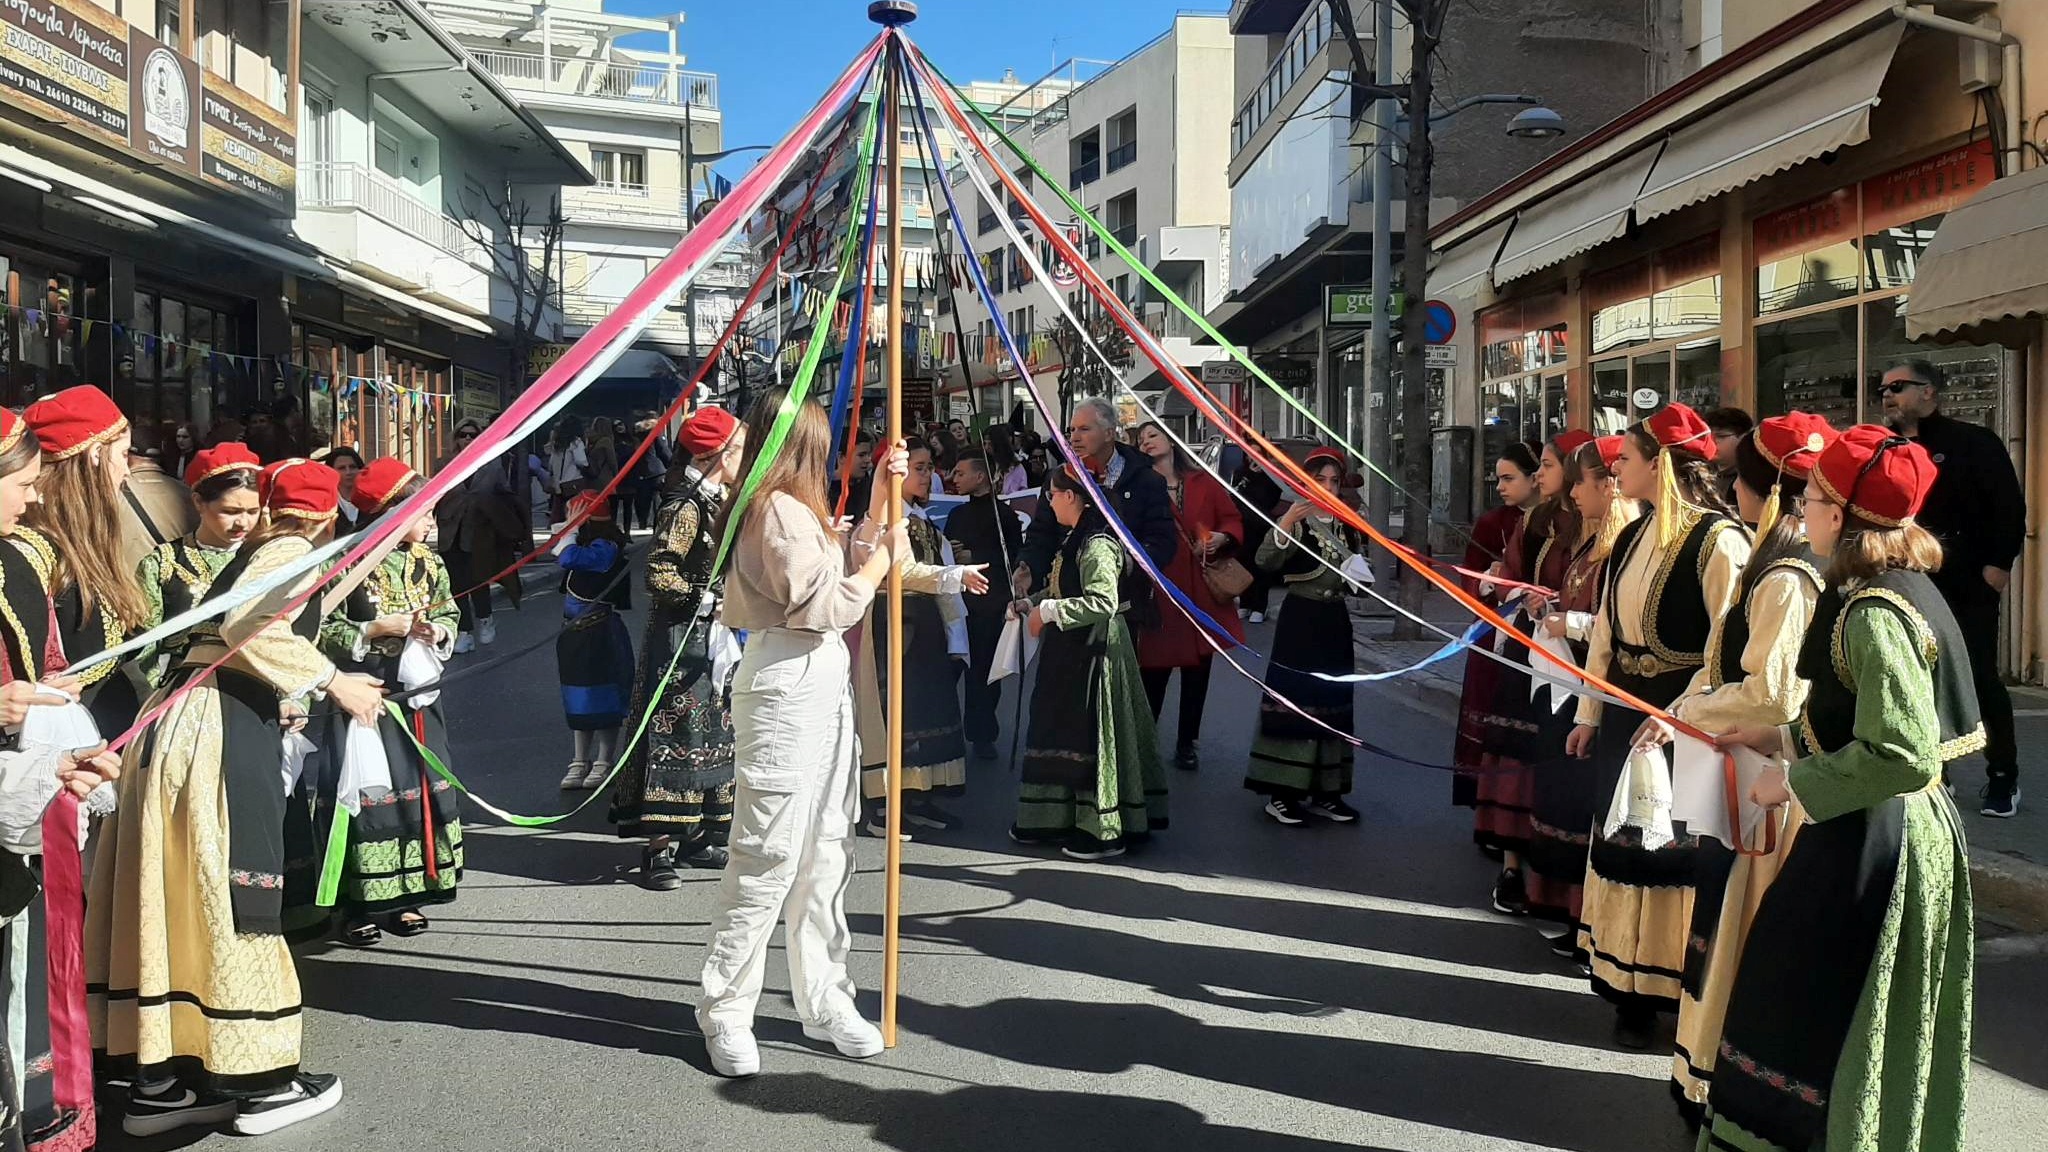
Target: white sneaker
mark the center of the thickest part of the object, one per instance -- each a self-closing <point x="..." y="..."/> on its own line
<point x="855" y="1038"/>
<point x="1257" y="618"/>
<point x="308" y="1096"/>
<point x="464" y="642"/>
<point x="733" y="1052"/>
<point x="595" y="778"/>
<point x="487" y="631"/>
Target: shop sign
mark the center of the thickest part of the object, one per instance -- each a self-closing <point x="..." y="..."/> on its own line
<point x="1289" y="373"/>
<point x="542" y="357"/>
<point x="1821" y="223"/>
<point x="1217" y="373"/>
<point x="1440" y="355"/>
<point x="1350" y="305"/>
<point x="476" y="394"/>
<point x="1934" y="186"/>
<point x="77" y="63"/>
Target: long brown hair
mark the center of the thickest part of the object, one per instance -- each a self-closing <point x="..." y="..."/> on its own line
<point x="798" y="469"/>
<point x="78" y="513"/>
<point x="276" y="527"/>
<point x="1868" y="550"/>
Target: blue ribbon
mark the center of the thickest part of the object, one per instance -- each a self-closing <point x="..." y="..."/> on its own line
<point x="856" y="334"/>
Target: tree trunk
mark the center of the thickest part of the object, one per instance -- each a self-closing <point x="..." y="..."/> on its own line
<point x="1416" y="439"/>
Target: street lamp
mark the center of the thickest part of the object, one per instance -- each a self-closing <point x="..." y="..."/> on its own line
<point x="1536" y="124"/>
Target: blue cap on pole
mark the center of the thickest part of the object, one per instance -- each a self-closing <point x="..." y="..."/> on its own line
<point x="892" y="13"/>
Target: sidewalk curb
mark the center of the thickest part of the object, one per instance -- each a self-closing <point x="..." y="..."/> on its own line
<point x="2010" y="891"/>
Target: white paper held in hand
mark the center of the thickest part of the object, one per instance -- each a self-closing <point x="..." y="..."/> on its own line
<point x="418" y="665"/>
<point x="1699" y="787"/>
<point x="1015" y="650"/>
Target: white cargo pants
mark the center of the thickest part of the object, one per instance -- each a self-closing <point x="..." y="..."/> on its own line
<point x="797" y="769"/>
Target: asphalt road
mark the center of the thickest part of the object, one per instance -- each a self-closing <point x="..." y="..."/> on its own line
<point x="1236" y="987"/>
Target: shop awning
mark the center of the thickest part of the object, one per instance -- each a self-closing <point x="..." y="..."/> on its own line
<point x="1817" y="108"/>
<point x="1460" y="271"/>
<point x="77" y="184"/>
<point x="1984" y="276"/>
<point x="360" y="283"/>
<point x="1561" y="227"/>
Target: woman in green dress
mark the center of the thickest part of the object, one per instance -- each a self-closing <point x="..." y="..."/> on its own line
<point x="1092" y="781"/>
<point x="176" y="574"/>
<point x="1849" y="1024"/>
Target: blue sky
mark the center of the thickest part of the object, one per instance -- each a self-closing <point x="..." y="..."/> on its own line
<point x="774" y="58"/>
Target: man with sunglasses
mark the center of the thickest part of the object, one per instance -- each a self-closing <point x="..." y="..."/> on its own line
<point x="1978" y="511"/>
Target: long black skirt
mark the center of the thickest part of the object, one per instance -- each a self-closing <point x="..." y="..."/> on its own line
<point x="1293" y="756"/>
<point x="679" y="779"/>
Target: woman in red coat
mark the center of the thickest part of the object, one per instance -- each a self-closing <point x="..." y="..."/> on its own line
<point x="1210" y="530"/>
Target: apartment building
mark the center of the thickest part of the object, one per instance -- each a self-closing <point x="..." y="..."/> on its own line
<point x="1142" y="144"/>
<point x="1829" y="188"/>
<point x="613" y="88"/>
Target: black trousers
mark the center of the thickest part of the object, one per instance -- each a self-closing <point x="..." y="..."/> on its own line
<point x="1194" y="696"/>
<point x="1978" y="619"/>
<point x="464" y="572"/>
<point x="981" y="701"/>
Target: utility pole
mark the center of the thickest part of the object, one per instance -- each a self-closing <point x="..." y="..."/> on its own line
<point x="1426" y="28"/>
<point x="1376" y="401"/>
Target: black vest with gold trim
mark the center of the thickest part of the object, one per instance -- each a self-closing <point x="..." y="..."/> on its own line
<point x="1828" y="721"/>
<point x="1676" y="625"/>
<point x="1725" y="661"/>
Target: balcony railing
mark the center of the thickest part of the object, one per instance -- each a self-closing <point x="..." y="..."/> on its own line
<point x="986" y="224"/>
<point x="1293" y="60"/>
<point x="1123" y="157"/>
<point x="325" y="185"/>
<point x="604" y="79"/>
<point x="1085" y="174"/>
<point x="623" y="203"/>
<point x="588" y="309"/>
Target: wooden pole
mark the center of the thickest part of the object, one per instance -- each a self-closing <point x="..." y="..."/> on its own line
<point x="892" y="363"/>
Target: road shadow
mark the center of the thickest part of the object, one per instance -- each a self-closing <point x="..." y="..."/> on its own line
<point x="2011" y="1017"/>
<point x="1009" y="1118"/>
<point x="1546" y="1104"/>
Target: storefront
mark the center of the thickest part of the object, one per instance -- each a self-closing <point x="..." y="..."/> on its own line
<point x="381" y="382"/>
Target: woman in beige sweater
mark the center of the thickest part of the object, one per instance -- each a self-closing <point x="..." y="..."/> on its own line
<point x="795" y="587"/>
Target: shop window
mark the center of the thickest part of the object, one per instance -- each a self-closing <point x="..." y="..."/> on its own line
<point x="1611" y="408"/>
<point x="1975" y="375"/>
<point x="1893" y="255"/>
<point x="40" y="333"/>
<point x="186" y="367"/>
<point x="1808" y="364"/>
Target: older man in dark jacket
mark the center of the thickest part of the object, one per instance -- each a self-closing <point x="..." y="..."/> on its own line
<point x="1138" y="497"/>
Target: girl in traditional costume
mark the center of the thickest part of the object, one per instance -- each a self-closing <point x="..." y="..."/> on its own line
<point x="1751" y="678"/>
<point x="1849" y="1023"/>
<point x="1673" y="573"/>
<point x="594" y="653"/>
<point x="193" y="996"/>
<point x="1302" y="767"/>
<point x="400" y="849"/>
<point x="795" y="590"/>
<point x="1092" y="780"/>
<point x="676" y="788"/>
<point x="1485" y="549"/>
<point x="75" y="530"/>
<point x="1210" y="529"/>
<point x="177" y="574"/>
<point x="1566" y="798"/>
<point x="934" y="652"/>
<point x="1537" y="552"/>
<point x="46" y="1092"/>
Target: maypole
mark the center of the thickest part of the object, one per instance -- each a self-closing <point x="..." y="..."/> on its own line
<point x="893" y="14"/>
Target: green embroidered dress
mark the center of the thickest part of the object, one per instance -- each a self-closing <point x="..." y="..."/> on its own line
<point x="1849" y="1025"/>
<point x="174" y="576"/>
<point x="388" y="864"/>
<point x="1092" y="779"/>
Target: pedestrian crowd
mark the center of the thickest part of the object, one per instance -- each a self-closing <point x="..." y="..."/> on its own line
<point x="1825" y="599"/>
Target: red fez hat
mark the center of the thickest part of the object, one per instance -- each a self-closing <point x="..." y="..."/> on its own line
<point x="301" y="488"/>
<point x="1876" y="474"/>
<point x="1678" y="428"/>
<point x="1609" y="448"/>
<point x="233" y="456"/>
<point x="1319" y="456"/>
<point x="1571" y="441"/>
<point x="600" y="507"/>
<point x="12" y="429"/>
<point x="380" y="480"/>
<point x="1792" y="442"/>
<point x="74" y="420"/>
<point x="706" y="431"/>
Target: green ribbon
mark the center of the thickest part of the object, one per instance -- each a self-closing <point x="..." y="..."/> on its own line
<point x="785" y="417"/>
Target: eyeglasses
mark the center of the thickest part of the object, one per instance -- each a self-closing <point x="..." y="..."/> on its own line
<point x="1898" y="386"/>
<point x="465" y="435"/>
<point x="1799" y="505"/>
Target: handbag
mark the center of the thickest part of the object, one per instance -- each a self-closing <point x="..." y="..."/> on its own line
<point x="1227" y="578"/>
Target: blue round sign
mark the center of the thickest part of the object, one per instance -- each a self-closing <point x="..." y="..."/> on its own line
<point x="1439" y="323"/>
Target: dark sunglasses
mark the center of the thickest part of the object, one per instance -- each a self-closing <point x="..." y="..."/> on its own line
<point x="1898" y="386"/>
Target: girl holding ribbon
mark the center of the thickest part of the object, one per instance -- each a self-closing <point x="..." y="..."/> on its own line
<point x="1849" y="1023"/>
<point x="676" y="788"/>
<point x="194" y="996"/>
<point x="177" y="574"/>
<point x="1673" y="574"/>
<point x="1751" y="678"/>
<point x="391" y="826"/>
<point x="1514" y="480"/>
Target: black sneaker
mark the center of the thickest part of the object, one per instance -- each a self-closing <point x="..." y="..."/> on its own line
<point x="1635" y="1030"/>
<point x="711" y="858"/>
<point x="2001" y="795"/>
<point x="1092" y="851"/>
<point x="1564" y="944"/>
<point x="1333" y="809"/>
<point x="171" y="1107"/>
<point x="1285" y="811"/>
<point x="1188" y="759"/>
<point x="1508" y="894"/>
<point x="985" y="750"/>
<point x="308" y="1096"/>
<point x="658" y="868"/>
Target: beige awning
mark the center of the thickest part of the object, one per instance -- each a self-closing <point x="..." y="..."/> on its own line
<point x="1819" y="107"/>
<point x="1592" y="213"/>
<point x="1984" y="276"/>
<point x="1460" y="271"/>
